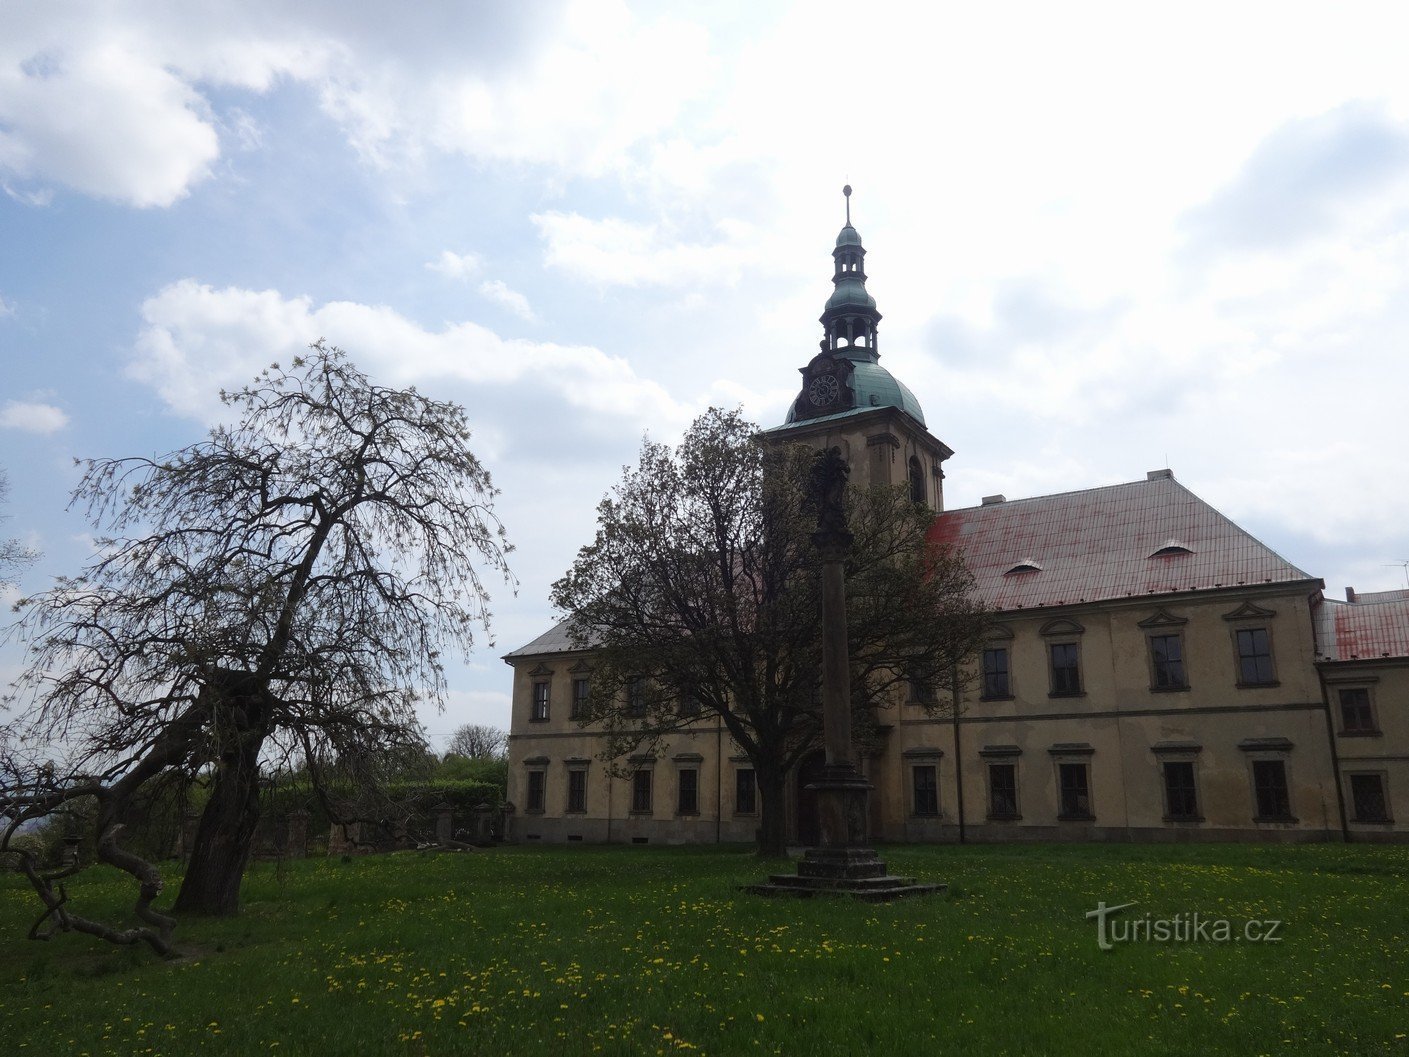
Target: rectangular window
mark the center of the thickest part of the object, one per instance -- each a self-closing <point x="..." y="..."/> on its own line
<point x="1180" y="797"/>
<point x="1269" y="779"/>
<point x="689" y="802"/>
<point x="1066" y="668"/>
<point x="540" y="703"/>
<point x="995" y="673"/>
<point x="926" y="787"/>
<point x="636" y="697"/>
<point x="921" y="693"/>
<point x="745" y="792"/>
<point x="537" y="781"/>
<point x="690" y="704"/>
<point x="581" y="698"/>
<point x="1367" y="797"/>
<point x="641" y="792"/>
<point x="1002" y="790"/>
<point x="577" y="790"/>
<point x="1075" y="790"/>
<point x="1167" y="662"/>
<point x="1254" y="657"/>
<point x="1356" y="716"/>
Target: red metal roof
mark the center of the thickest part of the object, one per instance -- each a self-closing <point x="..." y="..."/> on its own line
<point x="1347" y="631"/>
<point x="1099" y="544"/>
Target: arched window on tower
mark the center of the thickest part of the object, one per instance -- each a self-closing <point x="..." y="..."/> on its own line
<point x="917" y="480"/>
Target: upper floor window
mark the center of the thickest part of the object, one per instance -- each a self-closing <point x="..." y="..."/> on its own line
<point x="1254" y="656"/>
<point x="539" y="711"/>
<point x="917" y="481"/>
<point x="636" y="697"/>
<point x="995" y="673"/>
<point x="922" y="693"/>
<point x="1167" y="662"/>
<point x="1357" y="717"/>
<point x="1066" y="668"/>
<point x="581" y="698"/>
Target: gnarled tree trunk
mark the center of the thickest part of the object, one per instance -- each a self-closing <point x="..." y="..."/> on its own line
<point x="225" y="835"/>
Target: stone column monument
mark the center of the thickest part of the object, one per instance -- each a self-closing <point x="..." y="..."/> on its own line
<point x="842" y="864"/>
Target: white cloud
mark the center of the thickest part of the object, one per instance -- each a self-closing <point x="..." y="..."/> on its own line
<point x="618" y="252"/>
<point x="6" y="308"/>
<point x="498" y="292"/>
<point x="115" y="100"/>
<point x="32" y="417"/>
<point x="198" y="338"/>
<point x="456" y="265"/>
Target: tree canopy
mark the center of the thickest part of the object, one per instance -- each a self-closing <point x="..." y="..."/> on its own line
<point x="700" y="595"/>
<point x="290" y="584"/>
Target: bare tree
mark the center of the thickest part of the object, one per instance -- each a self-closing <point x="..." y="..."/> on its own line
<point x="15" y="557"/>
<point x="700" y="596"/>
<point x="288" y="585"/>
<point x="478" y="741"/>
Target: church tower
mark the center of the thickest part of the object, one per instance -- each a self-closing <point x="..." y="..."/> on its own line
<point x="848" y="400"/>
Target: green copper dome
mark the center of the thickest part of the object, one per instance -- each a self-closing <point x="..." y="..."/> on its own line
<point x="874" y="387"/>
<point x="849" y="237"/>
<point x="850" y="293"/>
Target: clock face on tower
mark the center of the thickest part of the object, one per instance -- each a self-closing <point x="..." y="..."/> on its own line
<point x="823" y="390"/>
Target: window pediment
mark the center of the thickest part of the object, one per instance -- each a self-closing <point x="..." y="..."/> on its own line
<point x="1250" y="611"/>
<point x="540" y="671"/>
<point x="1163" y="619"/>
<point x="1060" y="626"/>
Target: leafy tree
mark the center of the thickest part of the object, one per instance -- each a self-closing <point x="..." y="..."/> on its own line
<point x="700" y="596"/>
<point x="478" y="741"/>
<point x="287" y="586"/>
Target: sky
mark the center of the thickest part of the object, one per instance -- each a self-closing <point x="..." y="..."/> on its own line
<point x="1105" y="238"/>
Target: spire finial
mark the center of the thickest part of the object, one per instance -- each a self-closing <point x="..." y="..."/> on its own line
<point x="847" y="191"/>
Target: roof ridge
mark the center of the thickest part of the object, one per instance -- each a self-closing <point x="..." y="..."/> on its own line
<point x="1059" y="495"/>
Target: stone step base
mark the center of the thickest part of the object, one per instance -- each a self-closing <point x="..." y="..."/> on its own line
<point x="869" y="890"/>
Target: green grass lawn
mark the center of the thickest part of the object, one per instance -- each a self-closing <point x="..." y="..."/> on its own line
<point x="628" y="950"/>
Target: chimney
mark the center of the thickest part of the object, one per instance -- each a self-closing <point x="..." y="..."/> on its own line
<point x="1159" y="475"/>
<point x="993" y="500"/>
<point x="1350" y="595"/>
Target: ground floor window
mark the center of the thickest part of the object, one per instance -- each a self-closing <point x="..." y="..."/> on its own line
<point x="1367" y="798"/>
<point x="1180" y="797"/>
<point x="537" y="783"/>
<point x="1074" y="789"/>
<point x="641" y="792"/>
<point x="1269" y="780"/>
<point x="577" y="790"/>
<point x="745" y="792"/>
<point x="925" y="785"/>
<point x="689" y="799"/>
<point x="1002" y="790"/>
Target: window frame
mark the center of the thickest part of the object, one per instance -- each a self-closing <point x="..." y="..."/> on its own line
<point x="1282" y="787"/>
<point x="752" y="783"/>
<point x="1011" y="765"/>
<point x="536" y="790"/>
<point x="642" y="792"/>
<point x="1074" y="645"/>
<point x="577" y="787"/>
<point x="924" y="798"/>
<point x="693" y="785"/>
<point x="1344" y="729"/>
<point x="1193" y="814"/>
<point x="1382" y="780"/>
<point x="540" y="709"/>
<point x="1160" y="666"/>
<point x="1074" y="767"/>
<point x="1242" y="658"/>
<point x="581" y="705"/>
<point x="988" y="674"/>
